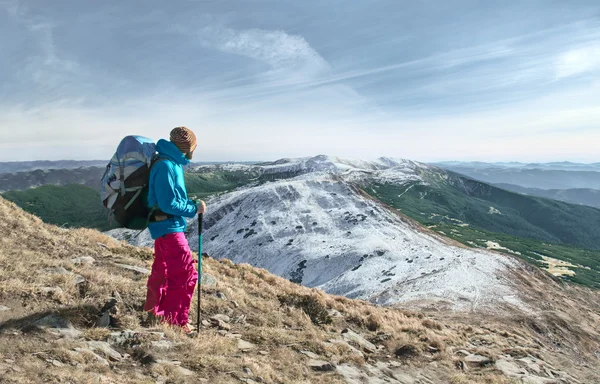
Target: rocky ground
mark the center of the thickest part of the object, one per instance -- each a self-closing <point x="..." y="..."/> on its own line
<point x="70" y="311"/>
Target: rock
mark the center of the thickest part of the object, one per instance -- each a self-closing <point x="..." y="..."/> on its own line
<point x="55" y="271"/>
<point x="103" y="321"/>
<point x="3" y="308"/>
<point x="244" y="345"/>
<point x="164" y="344"/>
<point x="222" y="332"/>
<point x="221" y="325"/>
<point x="353" y="337"/>
<point x="320" y="366"/>
<point x="310" y="354"/>
<point x="89" y="352"/>
<point x="223" y="318"/>
<point x="248" y="371"/>
<point x="134" y="268"/>
<point x="104" y="348"/>
<point x="221" y="295"/>
<point x="235" y="304"/>
<point x="208" y="280"/>
<point x="57" y="363"/>
<point x="462" y="352"/>
<point x="58" y="326"/>
<point x="123" y="337"/>
<point x="478" y="360"/>
<point x="345" y="344"/>
<point x="234" y="335"/>
<point x="184" y="371"/>
<point x="205" y="323"/>
<point x="83" y="260"/>
<point x="263" y="353"/>
<point x="510" y="369"/>
<point x="79" y="279"/>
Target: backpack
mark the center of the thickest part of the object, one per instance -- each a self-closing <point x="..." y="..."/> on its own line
<point x="124" y="188"/>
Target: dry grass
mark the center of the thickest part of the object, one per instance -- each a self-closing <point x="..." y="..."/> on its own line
<point x="279" y="317"/>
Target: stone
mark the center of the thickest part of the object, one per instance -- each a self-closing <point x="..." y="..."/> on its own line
<point x="57" y="363"/>
<point x="83" y="260"/>
<point x="79" y="279"/>
<point x="310" y="354"/>
<point x="134" y="268"/>
<point x="221" y="325"/>
<point x="235" y="304"/>
<point x="234" y="335"/>
<point x="205" y="323"/>
<point x="244" y="345"/>
<point x="224" y="318"/>
<point x="103" y="321"/>
<point x="4" y="308"/>
<point x="123" y="337"/>
<point x="58" y="326"/>
<point x="478" y="360"/>
<point x="89" y="352"/>
<point x="345" y="344"/>
<point x="248" y="371"/>
<point x="510" y="369"/>
<point x="263" y="353"/>
<point x="462" y="352"/>
<point x="163" y="344"/>
<point x="208" y="280"/>
<point x="104" y="348"/>
<point x="222" y="332"/>
<point x="56" y="271"/>
<point x="320" y="366"/>
<point x="353" y="337"/>
<point x="221" y="295"/>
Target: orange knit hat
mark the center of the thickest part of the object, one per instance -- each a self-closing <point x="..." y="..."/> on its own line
<point x="184" y="139"/>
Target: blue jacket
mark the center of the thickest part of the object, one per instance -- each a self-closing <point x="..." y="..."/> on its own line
<point x="166" y="189"/>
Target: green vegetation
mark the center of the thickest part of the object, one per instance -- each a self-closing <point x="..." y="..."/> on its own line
<point x="204" y="184"/>
<point x="468" y="220"/>
<point x="454" y="199"/>
<point x="72" y="205"/>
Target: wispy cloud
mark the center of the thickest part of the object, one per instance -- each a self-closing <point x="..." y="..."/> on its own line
<point x="578" y="61"/>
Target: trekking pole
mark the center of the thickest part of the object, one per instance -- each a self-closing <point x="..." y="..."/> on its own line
<point x="200" y="217"/>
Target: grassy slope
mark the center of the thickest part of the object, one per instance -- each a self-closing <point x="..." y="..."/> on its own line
<point x="270" y="312"/>
<point x="440" y="206"/>
<point x="71" y="206"/>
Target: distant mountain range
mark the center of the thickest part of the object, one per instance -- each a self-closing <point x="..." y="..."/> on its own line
<point x="26" y="166"/>
<point x="538" y="178"/>
<point x="556" y="166"/>
<point x="584" y="196"/>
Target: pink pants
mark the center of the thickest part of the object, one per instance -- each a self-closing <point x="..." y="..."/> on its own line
<point x="173" y="279"/>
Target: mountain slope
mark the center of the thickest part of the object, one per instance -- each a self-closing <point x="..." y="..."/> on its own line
<point x="322" y="232"/>
<point x="70" y="205"/>
<point x="47" y="331"/>
<point x="88" y="176"/>
<point x="443" y="193"/>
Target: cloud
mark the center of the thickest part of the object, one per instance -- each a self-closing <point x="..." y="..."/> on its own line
<point x="280" y="51"/>
<point x="578" y="61"/>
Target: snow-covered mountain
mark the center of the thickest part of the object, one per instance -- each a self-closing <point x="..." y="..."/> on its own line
<point x="320" y="230"/>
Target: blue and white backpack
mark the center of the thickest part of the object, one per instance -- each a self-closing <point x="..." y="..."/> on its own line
<point x="124" y="188"/>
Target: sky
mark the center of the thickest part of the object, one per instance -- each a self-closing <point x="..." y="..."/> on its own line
<point x="262" y="80"/>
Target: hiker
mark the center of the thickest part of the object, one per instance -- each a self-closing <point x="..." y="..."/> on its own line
<point x="173" y="279"/>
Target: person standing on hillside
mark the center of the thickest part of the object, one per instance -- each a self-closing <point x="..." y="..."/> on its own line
<point x="173" y="279"/>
